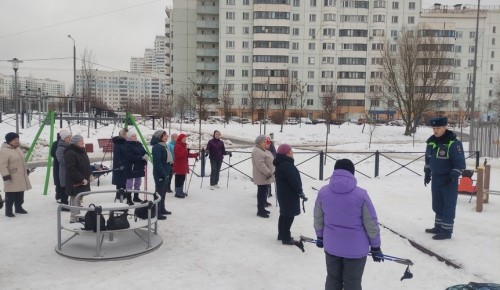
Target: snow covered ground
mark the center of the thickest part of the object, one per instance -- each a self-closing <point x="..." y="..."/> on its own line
<point x="213" y="239"/>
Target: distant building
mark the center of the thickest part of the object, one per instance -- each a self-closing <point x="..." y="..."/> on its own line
<point x="252" y="47"/>
<point x="31" y="86"/>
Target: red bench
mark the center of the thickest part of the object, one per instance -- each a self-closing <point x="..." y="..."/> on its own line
<point x="105" y="144"/>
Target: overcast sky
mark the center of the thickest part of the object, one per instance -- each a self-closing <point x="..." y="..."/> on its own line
<point x="114" y="30"/>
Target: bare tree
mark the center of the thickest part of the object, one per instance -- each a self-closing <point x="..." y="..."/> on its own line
<point x="182" y="105"/>
<point x="415" y="74"/>
<point x="88" y="88"/>
<point x="329" y="102"/>
<point x="251" y="105"/>
<point x="299" y="89"/>
<point x="226" y="102"/>
<point x="201" y="92"/>
<point x="286" y="97"/>
<point x="495" y="104"/>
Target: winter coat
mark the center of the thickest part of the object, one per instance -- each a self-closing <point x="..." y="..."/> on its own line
<point x="162" y="164"/>
<point x="119" y="161"/>
<point x="13" y="167"/>
<point x="181" y="155"/>
<point x="171" y="145"/>
<point x="345" y="217"/>
<point x="134" y="153"/>
<point x="55" y="164"/>
<point x="61" y="148"/>
<point x="216" y="149"/>
<point x="444" y="156"/>
<point x="77" y="169"/>
<point x="288" y="185"/>
<point x="263" y="168"/>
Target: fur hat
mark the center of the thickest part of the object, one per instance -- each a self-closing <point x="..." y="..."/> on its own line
<point x="439" y="121"/>
<point x="260" y="139"/>
<point x="11" y="136"/>
<point x="159" y="133"/>
<point x="130" y="134"/>
<point x="284" y="149"/>
<point x="64" y="133"/>
<point x="76" y="138"/>
<point x="123" y="133"/>
<point x="345" y="164"/>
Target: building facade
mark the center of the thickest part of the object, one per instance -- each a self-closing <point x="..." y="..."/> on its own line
<point x="257" y="48"/>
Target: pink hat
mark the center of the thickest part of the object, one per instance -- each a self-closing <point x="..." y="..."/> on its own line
<point x="284" y="149"/>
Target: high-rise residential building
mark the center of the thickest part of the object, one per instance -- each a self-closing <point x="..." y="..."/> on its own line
<point x="31" y="86"/>
<point x="134" y="92"/>
<point x="255" y="47"/>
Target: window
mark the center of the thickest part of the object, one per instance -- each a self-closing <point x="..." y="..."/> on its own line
<point x="393" y="47"/>
<point x="376" y="75"/>
<point x="374" y="103"/>
<point x="492" y="54"/>
<point x="493" y="41"/>
<point x="379" y="4"/>
<point x="394" y="33"/>
<point x="246" y="15"/>
<point x="230" y="15"/>
<point x="327" y="74"/>
<point x="230" y="2"/>
<point x="312" y="17"/>
<point x="353" y="18"/>
<point x="459" y="34"/>
<point x="472" y="34"/>
<point x="245" y="44"/>
<point x="295" y="46"/>
<point x="378" y="32"/>
<point x="470" y="63"/>
<point x="328" y="46"/>
<point x="411" y="20"/>
<point x="456" y="90"/>
<point x="458" y="49"/>
<point x="310" y="60"/>
<point x="310" y="88"/>
<point x="295" y="31"/>
<point x="230" y="30"/>
<point x="329" y="32"/>
<point x="394" y="19"/>
<point x="229" y="58"/>
<point x="230" y="87"/>
<point x="296" y="3"/>
<point x="491" y="80"/>
<point x="377" y="60"/>
<point x="491" y="67"/>
<point x="330" y="3"/>
<point x="378" y="18"/>
<point x="246" y="2"/>
<point x="329" y="17"/>
<point x="395" y="5"/>
<point x="312" y="3"/>
<point x="229" y="44"/>
<point x="411" y="5"/>
<point x="312" y="46"/>
<point x="490" y="93"/>
<point x="310" y="74"/>
<point x="295" y="59"/>
<point x="472" y="48"/>
<point x="377" y="46"/>
<point x="229" y="72"/>
<point x="310" y="102"/>
<point x="312" y="32"/>
<point x="296" y="17"/>
<point x="352" y="60"/>
<point x="245" y="59"/>
<point x="244" y="73"/>
<point x="246" y="30"/>
<point x="494" y="29"/>
<point x="327" y="60"/>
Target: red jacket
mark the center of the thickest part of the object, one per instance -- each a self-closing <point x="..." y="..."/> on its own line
<point x="181" y="155"/>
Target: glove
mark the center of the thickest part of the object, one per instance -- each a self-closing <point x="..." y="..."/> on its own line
<point x="121" y="168"/>
<point x="85" y="182"/>
<point x="7" y="179"/>
<point x="319" y="242"/>
<point x="450" y="180"/>
<point x="303" y="196"/>
<point x="427" y="179"/>
<point x="145" y="157"/>
<point x="377" y="254"/>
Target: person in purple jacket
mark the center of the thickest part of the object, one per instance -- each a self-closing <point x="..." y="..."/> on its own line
<point x="347" y="227"/>
<point x="216" y="152"/>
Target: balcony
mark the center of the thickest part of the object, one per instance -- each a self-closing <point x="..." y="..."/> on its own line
<point x="207" y="9"/>
<point x="207" y="52"/>
<point x="207" y="66"/>
<point x="207" y="38"/>
<point x="207" y="24"/>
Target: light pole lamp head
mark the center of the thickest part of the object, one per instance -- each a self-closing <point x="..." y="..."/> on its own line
<point x="15" y="63"/>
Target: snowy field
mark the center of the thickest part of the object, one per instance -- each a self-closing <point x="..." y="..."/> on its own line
<point x="214" y="240"/>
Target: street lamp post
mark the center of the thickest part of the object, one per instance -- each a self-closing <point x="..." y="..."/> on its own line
<point x="74" y="68"/>
<point x="472" y="146"/>
<point x="15" y="66"/>
<point x="267" y="100"/>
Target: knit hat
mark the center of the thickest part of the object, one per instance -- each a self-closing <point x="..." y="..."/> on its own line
<point x="159" y="133"/>
<point x="130" y="134"/>
<point x="439" y="121"/>
<point x="284" y="149"/>
<point x="76" y="138"/>
<point x="64" y="133"/>
<point x="345" y="164"/>
<point x="11" y="136"/>
<point x="181" y="136"/>
<point x="123" y="133"/>
<point x="260" y="139"/>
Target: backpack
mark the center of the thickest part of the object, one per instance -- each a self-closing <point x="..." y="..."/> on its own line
<point x="91" y="219"/>
<point x="142" y="212"/>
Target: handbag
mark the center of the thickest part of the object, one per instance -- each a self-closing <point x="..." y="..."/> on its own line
<point x="142" y="212"/>
<point x="118" y="220"/>
<point x="91" y="219"/>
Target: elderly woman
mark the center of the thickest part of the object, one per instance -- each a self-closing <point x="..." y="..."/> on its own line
<point x="136" y="161"/>
<point x="263" y="173"/>
<point x="14" y="171"/>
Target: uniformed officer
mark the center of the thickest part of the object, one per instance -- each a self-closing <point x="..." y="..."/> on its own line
<point x="444" y="163"/>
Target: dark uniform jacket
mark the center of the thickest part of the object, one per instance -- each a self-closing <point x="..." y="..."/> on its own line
<point x="134" y="152"/>
<point x="77" y="169"/>
<point x="445" y="156"/>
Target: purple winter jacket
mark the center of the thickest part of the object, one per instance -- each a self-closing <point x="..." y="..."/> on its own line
<point x="216" y="149"/>
<point x="345" y="217"/>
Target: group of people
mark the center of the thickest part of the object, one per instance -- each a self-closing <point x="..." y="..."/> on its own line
<point x="345" y="219"/>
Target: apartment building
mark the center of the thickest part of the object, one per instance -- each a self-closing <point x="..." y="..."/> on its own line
<point x="256" y="48"/>
<point x="31" y="86"/>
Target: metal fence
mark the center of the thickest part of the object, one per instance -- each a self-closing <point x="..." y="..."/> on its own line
<point x="487" y="138"/>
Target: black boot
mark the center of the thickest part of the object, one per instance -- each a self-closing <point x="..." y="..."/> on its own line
<point x="129" y="198"/>
<point x="443" y="235"/>
<point x="18" y="203"/>
<point x="9" y="202"/>
<point x="136" y="197"/>
<point x="434" y="230"/>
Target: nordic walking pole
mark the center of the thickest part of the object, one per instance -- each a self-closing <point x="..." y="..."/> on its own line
<point x="191" y="177"/>
<point x="230" y="154"/>
<point x="146" y="180"/>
